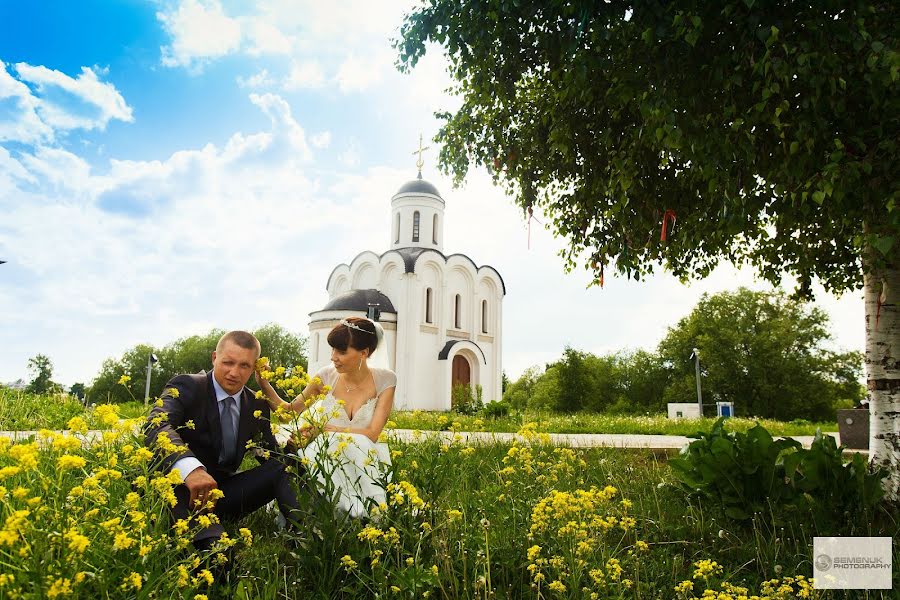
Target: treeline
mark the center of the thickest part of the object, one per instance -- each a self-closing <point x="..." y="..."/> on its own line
<point x="765" y="352"/>
<point x="186" y="355"/>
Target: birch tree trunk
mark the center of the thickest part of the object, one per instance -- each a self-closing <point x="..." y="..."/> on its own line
<point x="882" y="292"/>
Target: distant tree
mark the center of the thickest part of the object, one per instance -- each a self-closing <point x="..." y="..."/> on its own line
<point x="574" y="386"/>
<point x="190" y="354"/>
<point x="519" y="393"/>
<point x="643" y="378"/>
<point x="77" y="390"/>
<point x="764" y="352"/>
<point x="41" y="369"/>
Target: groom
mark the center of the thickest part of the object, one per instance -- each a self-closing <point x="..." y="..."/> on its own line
<point x="210" y="418"/>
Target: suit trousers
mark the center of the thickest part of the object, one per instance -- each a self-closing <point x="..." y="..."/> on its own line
<point x="243" y="493"/>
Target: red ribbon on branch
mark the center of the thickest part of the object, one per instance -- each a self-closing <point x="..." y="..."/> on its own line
<point x="599" y="279"/>
<point x="668" y="216"/>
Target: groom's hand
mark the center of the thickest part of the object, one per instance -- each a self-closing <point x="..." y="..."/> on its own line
<point x="199" y="483"/>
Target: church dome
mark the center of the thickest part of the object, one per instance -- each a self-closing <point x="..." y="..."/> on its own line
<point x="359" y="300"/>
<point x="418" y="186"/>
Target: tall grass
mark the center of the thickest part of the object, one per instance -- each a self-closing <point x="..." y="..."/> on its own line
<point x="550" y="422"/>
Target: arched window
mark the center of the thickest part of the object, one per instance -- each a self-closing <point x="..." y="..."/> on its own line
<point x="434" y="229"/>
<point x="484" y="316"/>
<point x="397" y="229"/>
<point x="428" y="300"/>
<point x="415" y="226"/>
<point x="457" y="310"/>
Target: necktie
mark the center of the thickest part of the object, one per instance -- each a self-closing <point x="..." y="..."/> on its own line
<point x="229" y="432"/>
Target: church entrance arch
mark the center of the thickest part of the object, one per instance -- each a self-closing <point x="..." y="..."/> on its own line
<point x="460" y="380"/>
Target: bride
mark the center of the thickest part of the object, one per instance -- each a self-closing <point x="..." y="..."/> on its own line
<point x="341" y="432"/>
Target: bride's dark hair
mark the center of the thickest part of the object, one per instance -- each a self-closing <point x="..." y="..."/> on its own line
<point x="351" y="335"/>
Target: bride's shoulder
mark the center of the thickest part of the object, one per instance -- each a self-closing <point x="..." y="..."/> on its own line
<point x="326" y="374"/>
<point x="384" y="378"/>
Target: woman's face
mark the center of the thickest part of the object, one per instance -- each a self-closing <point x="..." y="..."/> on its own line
<point x="347" y="360"/>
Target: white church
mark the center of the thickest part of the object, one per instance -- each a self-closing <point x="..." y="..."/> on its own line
<point x="441" y="313"/>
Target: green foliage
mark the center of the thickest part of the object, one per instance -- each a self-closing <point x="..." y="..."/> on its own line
<point x="77" y="390"/>
<point x="747" y="473"/>
<point x="742" y="472"/>
<point x="186" y="355"/>
<point x="765" y="353"/>
<point x="495" y="409"/>
<point x="25" y="411"/>
<point x="42" y="370"/>
<point x="466" y="400"/>
<point x="770" y="129"/>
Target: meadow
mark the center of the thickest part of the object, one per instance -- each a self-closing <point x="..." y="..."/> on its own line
<point x="23" y="411"/>
<point x="86" y="517"/>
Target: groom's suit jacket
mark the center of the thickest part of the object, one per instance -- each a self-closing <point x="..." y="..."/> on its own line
<point x="195" y="401"/>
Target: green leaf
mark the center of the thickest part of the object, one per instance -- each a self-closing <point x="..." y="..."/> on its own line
<point x="795" y="147"/>
<point x="819" y="197"/>
<point x="883" y="243"/>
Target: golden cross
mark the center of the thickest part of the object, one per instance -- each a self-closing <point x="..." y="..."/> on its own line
<point x="420" y="163"/>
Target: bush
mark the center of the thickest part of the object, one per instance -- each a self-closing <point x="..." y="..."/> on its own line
<point x="464" y="401"/>
<point x="495" y="409"/>
<point x="748" y="472"/>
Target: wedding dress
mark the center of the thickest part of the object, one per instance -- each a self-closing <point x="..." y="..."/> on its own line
<point x="351" y="469"/>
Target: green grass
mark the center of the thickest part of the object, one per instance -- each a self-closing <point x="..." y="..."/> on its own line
<point x="549" y="422"/>
<point x="474" y="537"/>
<point x="21" y="411"/>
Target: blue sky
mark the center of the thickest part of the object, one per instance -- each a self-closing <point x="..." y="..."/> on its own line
<point x="170" y="167"/>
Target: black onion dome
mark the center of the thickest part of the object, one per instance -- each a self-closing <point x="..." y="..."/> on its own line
<point x="418" y="186"/>
<point x="359" y="300"/>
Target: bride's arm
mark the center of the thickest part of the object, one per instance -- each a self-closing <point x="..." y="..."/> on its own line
<point x="304" y="399"/>
<point x="379" y="417"/>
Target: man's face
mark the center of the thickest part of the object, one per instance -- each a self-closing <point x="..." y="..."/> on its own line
<point x="233" y="366"/>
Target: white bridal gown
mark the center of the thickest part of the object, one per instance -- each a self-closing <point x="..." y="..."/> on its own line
<point x="350" y="468"/>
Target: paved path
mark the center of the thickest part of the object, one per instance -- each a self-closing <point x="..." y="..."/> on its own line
<point x="575" y="440"/>
<point x="578" y="440"/>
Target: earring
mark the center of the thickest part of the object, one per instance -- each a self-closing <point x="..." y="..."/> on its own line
<point x="359" y="368"/>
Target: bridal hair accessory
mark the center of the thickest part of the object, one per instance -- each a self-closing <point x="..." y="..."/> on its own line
<point x="379" y="330"/>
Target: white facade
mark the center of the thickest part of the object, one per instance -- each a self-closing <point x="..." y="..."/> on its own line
<point x="442" y="315"/>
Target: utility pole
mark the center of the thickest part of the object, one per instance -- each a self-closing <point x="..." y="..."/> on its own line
<point x="696" y="356"/>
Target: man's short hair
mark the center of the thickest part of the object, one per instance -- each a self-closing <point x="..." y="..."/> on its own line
<point x="243" y="339"/>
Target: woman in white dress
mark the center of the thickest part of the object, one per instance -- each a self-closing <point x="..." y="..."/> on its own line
<point x="341" y="436"/>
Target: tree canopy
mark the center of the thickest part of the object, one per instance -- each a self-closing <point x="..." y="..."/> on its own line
<point x="41" y="368"/>
<point x="765" y="132"/>
<point x="764" y="352"/>
<point x="186" y="355"/>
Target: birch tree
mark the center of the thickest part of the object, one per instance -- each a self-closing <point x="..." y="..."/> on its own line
<point x="681" y="134"/>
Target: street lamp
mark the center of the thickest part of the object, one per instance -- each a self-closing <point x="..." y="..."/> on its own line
<point x="696" y="356"/>
<point x="150" y="360"/>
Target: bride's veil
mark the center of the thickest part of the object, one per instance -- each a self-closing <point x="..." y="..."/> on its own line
<point x="379" y="359"/>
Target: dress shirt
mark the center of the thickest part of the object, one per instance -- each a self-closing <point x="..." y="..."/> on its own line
<point x="187" y="464"/>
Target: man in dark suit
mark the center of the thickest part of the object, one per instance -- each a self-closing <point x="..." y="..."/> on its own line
<point x="209" y="418"/>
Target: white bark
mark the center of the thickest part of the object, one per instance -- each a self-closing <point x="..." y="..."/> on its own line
<point x="883" y="374"/>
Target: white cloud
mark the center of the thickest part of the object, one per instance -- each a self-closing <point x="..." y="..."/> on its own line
<point x="19" y="120"/>
<point x="258" y="80"/>
<point x="357" y="74"/>
<point x="321" y="139"/>
<point x="59" y="102"/>
<point x="200" y="31"/>
<point x="350" y="157"/>
<point x="305" y="75"/>
<point x="265" y="38"/>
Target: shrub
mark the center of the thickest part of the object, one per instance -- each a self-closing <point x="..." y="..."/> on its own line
<point x="495" y="409"/>
<point x="747" y="472"/>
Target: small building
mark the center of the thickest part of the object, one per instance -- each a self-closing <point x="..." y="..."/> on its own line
<point x="441" y="313"/>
